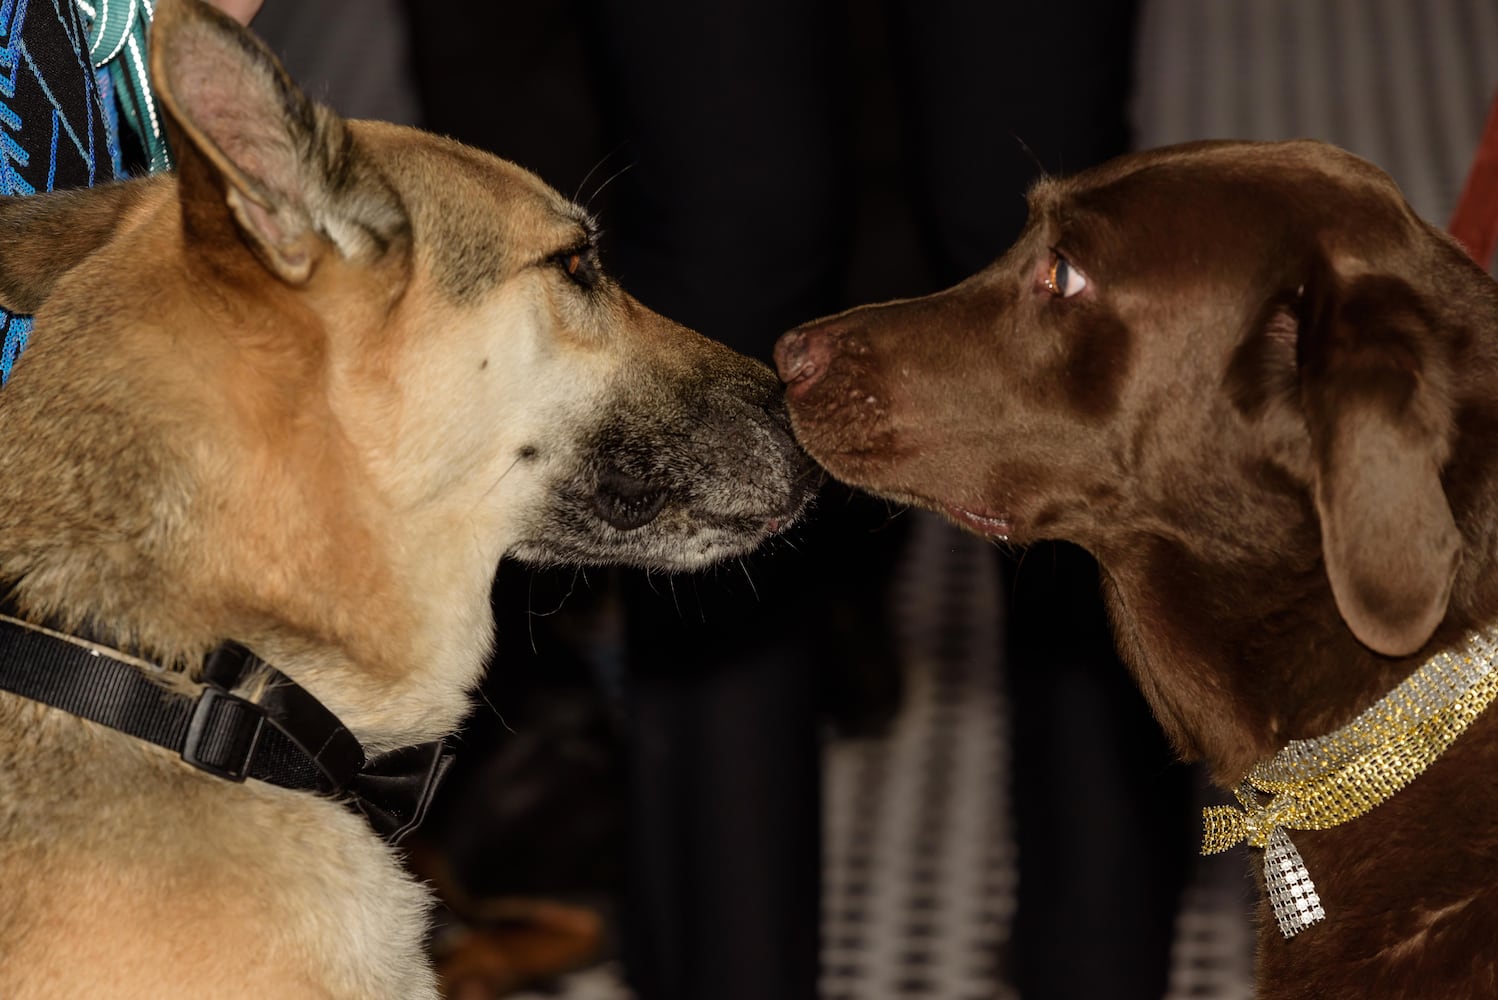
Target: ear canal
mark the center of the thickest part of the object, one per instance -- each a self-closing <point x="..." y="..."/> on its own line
<point x="1380" y="423"/>
<point x="255" y="152"/>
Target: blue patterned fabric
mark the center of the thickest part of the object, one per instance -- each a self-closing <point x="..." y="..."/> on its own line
<point x="58" y="128"/>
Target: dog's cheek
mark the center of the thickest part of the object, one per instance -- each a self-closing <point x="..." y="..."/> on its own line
<point x="1099" y="351"/>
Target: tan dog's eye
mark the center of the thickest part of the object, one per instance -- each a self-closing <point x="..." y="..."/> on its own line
<point x="579" y="265"/>
<point x="1062" y="280"/>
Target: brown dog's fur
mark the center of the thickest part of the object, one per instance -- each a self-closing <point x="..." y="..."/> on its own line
<point x="305" y="394"/>
<point x="1271" y="415"/>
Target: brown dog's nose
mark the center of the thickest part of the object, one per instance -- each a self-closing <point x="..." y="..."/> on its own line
<point x="801" y="356"/>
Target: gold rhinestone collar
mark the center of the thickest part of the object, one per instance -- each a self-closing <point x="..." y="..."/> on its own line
<point x="1315" y="784"/>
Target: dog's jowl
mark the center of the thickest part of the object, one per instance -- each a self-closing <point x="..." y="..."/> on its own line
<point x="1261" y="391"/>
<point x="282" y="415"/>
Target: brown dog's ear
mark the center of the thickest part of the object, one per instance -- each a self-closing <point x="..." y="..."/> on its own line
<point x="1377" y="402"/>
<point x="255" y="153"/>
<point x="46" y="235"/>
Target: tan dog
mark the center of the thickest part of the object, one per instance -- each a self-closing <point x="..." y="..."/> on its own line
<point x="1261" y="391"/>
<point x="306" y="395"/>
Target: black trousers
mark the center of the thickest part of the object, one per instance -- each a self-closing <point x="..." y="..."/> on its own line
<point x="771" y="146"/>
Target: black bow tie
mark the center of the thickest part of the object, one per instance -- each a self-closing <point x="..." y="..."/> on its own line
<point x="394" y="789"/>
<point x="287" y="737"/>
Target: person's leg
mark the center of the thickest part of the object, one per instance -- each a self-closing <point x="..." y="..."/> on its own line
<point x="732" y="211"/>
<point x="730" y="217"/>
<point x="723" y="880"/>
<point x="1101" y="806"/>
<point x="997" y="94"/>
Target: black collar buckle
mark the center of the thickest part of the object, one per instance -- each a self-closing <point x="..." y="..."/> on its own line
<point x="223" y="734"/>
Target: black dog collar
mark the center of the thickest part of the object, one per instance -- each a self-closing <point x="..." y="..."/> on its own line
<point x="287" y="738"/>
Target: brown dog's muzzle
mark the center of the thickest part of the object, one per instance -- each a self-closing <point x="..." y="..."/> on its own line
<point x="849" y="355"/>
<point x="880" y="397"/>
<point x="838" y="395"/>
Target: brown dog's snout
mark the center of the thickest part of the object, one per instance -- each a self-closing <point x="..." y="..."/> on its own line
<point x="802" y="356"/>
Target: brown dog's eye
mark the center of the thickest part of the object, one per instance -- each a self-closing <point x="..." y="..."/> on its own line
<point x="1062" y="280"/>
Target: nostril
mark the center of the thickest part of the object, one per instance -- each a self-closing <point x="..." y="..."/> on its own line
<point x="627" y="502"/>
<point x="791" y="359"/>
<point x="802" y="355"/>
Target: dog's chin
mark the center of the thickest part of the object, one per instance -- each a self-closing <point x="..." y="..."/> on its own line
<point x="871" y="459"/>
<point x="676" y="539"/>
<point x="989" y="522"/>
<point x="668" y="552"/>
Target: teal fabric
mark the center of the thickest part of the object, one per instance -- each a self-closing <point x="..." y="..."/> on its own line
<point x="117" y="35"/>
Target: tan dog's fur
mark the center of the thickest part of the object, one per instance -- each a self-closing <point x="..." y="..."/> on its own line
<point x="305" y="395"/>
<point x="1260" y="390"/>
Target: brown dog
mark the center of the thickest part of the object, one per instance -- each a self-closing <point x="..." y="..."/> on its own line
<point x="305" y="395"/>
<point x="1261" y="391"/>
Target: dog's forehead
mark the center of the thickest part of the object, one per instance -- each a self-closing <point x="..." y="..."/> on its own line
<point x="1230" y="163"/>
<point x="1215" y="205"/>
<point x="475" y="217"/>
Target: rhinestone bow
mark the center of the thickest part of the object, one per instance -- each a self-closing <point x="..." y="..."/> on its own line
<point x="1319" y="783"/>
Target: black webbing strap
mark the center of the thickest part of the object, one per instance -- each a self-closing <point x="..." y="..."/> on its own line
<point x="289" y="739"/>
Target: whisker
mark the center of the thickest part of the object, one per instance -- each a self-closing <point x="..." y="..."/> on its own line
<point x="615" y="176"/>
<point x="530" y="611"/>
<point x="594" y="169"/>
<point x="495" y="485"/>
<point x="815" y="472"/>
<point x="697" y="595"/>
<point x="571" y="588"/>
<point x="1019" y="565"/>
<point x="650" y="579"/>
<point x="891" y="516"/>
<point x="748" y="576"/>
<point x="485" y="698"/>
<point x="1031" y="154"/>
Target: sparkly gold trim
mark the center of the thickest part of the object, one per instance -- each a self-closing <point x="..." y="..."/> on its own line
<point x="1315" y="784"/>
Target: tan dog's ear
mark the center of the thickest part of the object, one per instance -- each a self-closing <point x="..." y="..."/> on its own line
<point x="1377" y="401"/>
<point x="254" y="153"/>
<point x="47" y="235"/>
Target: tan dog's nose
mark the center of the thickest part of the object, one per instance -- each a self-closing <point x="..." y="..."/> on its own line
<point x="802" y="356"/>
